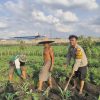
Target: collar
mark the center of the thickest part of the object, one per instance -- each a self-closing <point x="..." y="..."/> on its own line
<point x="75" y="46"/>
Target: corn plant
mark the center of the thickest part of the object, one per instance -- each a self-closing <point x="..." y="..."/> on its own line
<point x="46" y="92"/>
<point x="10" y="96"/>
<point x="35" y="96"/>
<point x="64" y="95"/>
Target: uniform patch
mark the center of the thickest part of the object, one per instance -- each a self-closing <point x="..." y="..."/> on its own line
<point x="78" y="53"/>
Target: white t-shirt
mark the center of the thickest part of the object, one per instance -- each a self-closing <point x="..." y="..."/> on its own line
<point x="17" y="63"/>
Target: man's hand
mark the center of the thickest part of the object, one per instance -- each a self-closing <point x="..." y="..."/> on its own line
<point x="65" y="66"/>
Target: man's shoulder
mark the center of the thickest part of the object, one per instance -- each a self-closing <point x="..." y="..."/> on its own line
<point x="51" y="49"/>
<point x="79" y="52"/>
<point x="79" y="47"/>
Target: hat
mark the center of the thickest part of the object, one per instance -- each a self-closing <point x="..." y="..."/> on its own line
<point x="45" y="41"/>
<point x="22" y="58"/>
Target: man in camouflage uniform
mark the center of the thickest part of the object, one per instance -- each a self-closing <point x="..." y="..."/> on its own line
<point x="79" y="69"/>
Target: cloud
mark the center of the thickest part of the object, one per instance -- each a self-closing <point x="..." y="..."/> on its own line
<point x="95" y="20"/>
<point x="57" y="20"/>
<point x="26" y="17"/>
<point x="66" y="16"/>
<point x="15" y="7"/>
<point x="63" y="28"/>
<point x="92" y="24"/>
<point x="97" y="30"/>
<point x="86" y="4"/>
<point x="21" y="9"/>
<point x="94" y="28"/>
<point x="40" y="16"/>
<point x="3" y="25"/>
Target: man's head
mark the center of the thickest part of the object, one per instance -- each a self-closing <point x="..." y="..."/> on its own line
<point x="73" y="40"/>
<point x="46" y="45"/>
<point x="22" y="58"/>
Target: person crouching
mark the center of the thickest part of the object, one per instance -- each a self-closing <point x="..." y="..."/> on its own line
<point x="17" y="63"/>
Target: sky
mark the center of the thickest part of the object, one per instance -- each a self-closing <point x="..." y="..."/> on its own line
<point x="52" y="18"/>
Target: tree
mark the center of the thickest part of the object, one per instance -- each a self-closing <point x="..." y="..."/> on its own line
<point x="87" y="44"/>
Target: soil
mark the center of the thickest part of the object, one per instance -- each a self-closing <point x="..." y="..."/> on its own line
<point x="91" y="91"/>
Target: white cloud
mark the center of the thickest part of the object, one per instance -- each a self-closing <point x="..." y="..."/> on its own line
<point x="66" y="16"/>
<point x="40" y="16"/>
<point x="19" y="9"/>
<point x="94" y="28"/>
<point x="88" y="28"/>
<point x="3" y="25"/>
<point x="25" y="17"/>
<point x="63" y="28"/>
<point x="97" y="30"/>
<point x="55" y="1"/>
<point x="57" y="20"/>
<point x="15" y="7"/>
<point x="89" y="4"/>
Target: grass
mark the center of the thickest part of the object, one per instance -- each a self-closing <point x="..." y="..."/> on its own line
<point x="35" y="62"/>
<point x="34" y="57"/>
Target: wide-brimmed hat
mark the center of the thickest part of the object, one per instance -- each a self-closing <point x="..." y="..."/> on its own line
<point x="46" y="40"/>
<point x="22" y="58"/>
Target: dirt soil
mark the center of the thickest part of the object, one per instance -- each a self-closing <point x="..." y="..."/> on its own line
<point x="91" y="91"/>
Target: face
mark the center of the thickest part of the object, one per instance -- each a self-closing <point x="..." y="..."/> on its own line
<point x="46" y="45"/>
<point x="73" y="42"/>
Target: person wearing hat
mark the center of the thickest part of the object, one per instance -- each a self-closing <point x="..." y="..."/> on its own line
<point x="45" y="73"/>
<point x="17" y="63"/>
<point x="79" y="69"/>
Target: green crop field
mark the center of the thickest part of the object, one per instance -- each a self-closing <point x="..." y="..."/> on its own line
<point x="35" y="62"/>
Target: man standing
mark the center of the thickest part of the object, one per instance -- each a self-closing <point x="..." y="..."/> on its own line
<point x="79" y="69"/>
<point x="17" y="63"/>
<point x="45" y="73"/>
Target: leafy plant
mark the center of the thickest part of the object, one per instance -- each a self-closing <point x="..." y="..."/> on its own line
<point x="64" y="95"/>
<point x="9" y="96"/>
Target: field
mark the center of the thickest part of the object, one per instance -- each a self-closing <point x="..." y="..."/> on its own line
<point x="20" y="90"/>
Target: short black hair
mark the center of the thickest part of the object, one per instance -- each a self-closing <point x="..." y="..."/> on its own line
<point x="73" y="36"/>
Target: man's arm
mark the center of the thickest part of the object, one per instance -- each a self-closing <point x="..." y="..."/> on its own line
<point x="78" y="59"/>
<point x="52" y="58"/>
